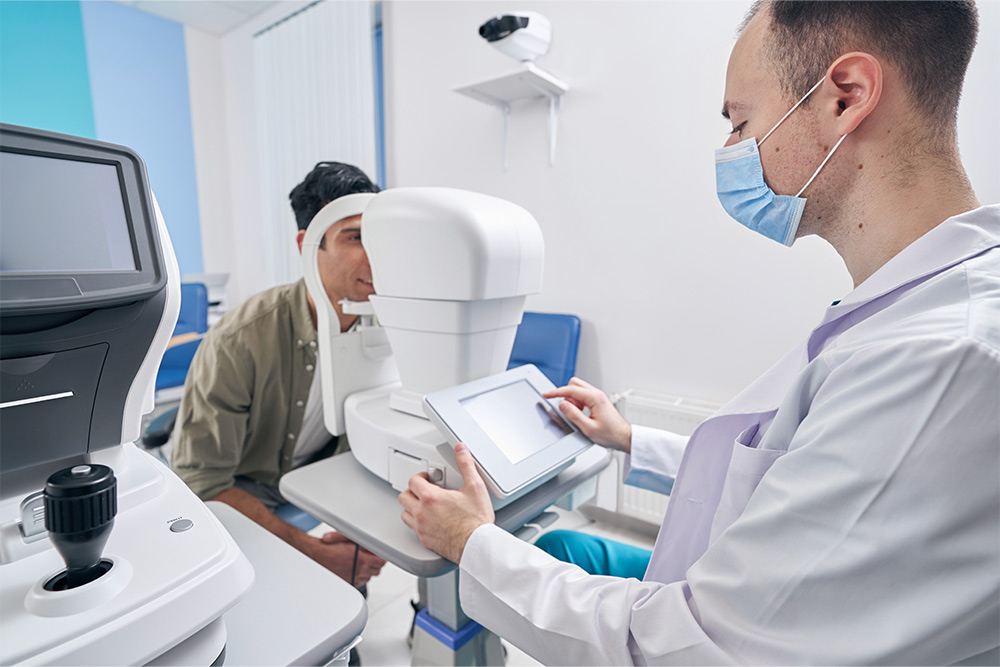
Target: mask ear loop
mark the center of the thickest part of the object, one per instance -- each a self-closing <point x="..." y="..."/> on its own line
<point x="821" y="165"/>
<point x="828" y="155"/>
<point x="791" y="110"/>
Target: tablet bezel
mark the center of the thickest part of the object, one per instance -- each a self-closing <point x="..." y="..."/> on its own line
<point x="445" y="409"/>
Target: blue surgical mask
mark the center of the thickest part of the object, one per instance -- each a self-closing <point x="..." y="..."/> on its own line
<point x="739" y="181"/>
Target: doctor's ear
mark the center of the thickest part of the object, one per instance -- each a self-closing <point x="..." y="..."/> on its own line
<point x="854" y="81"/>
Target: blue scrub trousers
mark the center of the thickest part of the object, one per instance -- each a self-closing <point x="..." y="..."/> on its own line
<point x="596" y="555"/>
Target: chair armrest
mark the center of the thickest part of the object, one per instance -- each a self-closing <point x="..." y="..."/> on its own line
<point x="158" y="432"/>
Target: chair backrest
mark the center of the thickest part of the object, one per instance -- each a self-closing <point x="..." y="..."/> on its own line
<point x="194" y="309"/>
<point x="549" y="341"/>
<point x="193" y="318"/>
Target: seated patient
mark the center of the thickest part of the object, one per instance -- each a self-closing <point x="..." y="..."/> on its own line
<point x="252" y="408"/>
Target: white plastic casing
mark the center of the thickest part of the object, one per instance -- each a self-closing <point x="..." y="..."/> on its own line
<point x="164" y="588"/>
<point x="354" y="360"/>
<point x="451" y="245"/>
<point x="527" y="43"/>
<point x="451" y="270"/>
<point x="140" y="396"/>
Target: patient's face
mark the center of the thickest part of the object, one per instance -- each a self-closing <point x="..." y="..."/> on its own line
<point x="343" y="263"/>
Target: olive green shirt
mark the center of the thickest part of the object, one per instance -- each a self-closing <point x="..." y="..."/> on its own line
<point x="246" y="393"/>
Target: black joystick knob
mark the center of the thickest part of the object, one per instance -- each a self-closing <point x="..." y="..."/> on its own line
<point x="80" y="507"/>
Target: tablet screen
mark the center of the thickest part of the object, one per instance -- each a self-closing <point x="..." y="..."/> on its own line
<point x="517" y="419"/>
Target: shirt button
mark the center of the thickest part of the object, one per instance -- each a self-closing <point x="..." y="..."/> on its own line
<point x="291" y="436"/>
<point x="312" y="343"/>
<point x="309" y="367"/>
<point x="300" y="341"/>
<point x="299" y="403"/>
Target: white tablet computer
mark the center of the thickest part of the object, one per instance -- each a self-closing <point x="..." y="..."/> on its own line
<point x="518" y="438"/>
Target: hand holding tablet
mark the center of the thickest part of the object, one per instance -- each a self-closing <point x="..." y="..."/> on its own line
<point x="517" y="437"/>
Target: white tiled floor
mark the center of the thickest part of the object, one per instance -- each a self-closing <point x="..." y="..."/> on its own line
<point x="389" y="595"/>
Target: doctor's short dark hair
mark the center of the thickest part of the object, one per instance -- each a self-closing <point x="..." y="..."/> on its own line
<point x="327" y="181"/>
<point x="930" y="42"/>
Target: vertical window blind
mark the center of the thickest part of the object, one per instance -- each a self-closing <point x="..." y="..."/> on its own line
<point x="315" y="83"/>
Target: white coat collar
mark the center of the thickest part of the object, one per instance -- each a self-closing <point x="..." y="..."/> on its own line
<point x="952" y="242"/>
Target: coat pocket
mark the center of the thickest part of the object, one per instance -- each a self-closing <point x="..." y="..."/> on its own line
<point x="746" y="468"/>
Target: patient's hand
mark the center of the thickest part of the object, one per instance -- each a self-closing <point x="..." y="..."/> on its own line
<point x="604" y="425"/>
<point x="444" y="519"/>
<point x="336" y="553"/>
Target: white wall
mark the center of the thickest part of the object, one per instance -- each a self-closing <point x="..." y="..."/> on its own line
<point x="206" y="83"/>
<point x="674" y="296"/>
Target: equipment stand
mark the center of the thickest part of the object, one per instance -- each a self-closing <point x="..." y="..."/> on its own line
<point x="443" y="635"/>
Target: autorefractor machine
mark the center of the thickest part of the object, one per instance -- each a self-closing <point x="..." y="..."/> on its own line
<point x="424" y="368"/>
<point x="106" y="557"/>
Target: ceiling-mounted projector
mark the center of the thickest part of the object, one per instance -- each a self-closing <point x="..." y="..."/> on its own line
<point x="521" y="35"/>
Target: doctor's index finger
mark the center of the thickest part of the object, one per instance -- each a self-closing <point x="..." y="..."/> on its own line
<point x="576" y="394"/>
<point x="555" y="394"/>
<point x="575" y="414"/>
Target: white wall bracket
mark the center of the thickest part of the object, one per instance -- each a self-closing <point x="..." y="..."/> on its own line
<point x="529" y="82"/>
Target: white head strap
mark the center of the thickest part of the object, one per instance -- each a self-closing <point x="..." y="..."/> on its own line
<point x="332" y="213"/>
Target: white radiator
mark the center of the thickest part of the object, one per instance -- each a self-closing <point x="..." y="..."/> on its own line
<point x="671" y="413"/>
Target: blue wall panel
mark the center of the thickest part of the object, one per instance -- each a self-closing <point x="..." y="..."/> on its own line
<point x="43" y="67"/>
<point x="139" y="86"/>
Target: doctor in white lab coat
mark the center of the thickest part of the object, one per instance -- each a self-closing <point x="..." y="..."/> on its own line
<point x="845" y="507"/>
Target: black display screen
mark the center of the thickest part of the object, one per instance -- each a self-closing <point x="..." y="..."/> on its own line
<point x="62" y="215"/>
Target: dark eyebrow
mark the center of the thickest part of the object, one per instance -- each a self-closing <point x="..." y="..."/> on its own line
<point x="727" y="105"/>
<point x="350" y="230"/>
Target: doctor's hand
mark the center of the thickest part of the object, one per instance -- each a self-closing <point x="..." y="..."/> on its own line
<point x="444" y="519"/>
<point x="604" y="425"/>
<point x="336" y="553"/>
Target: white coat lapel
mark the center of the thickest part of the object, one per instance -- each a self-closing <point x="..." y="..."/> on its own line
<point x="687" y="527"/>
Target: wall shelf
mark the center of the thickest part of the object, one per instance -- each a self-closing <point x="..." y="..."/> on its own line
<point x="529" y="82"/>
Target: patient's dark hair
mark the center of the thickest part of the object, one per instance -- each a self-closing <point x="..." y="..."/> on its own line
<point x="929" y="42"/>
<point x="326" y="182"/>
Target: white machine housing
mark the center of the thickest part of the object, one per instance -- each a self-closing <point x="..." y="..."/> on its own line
<point x="521" y="35"/>
<point x="349" y="361"/>
<point x="452" y="270"/>
<point x="165" y="594"/>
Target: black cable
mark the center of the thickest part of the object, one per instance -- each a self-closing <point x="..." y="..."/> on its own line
<point x="354" y="568"/>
